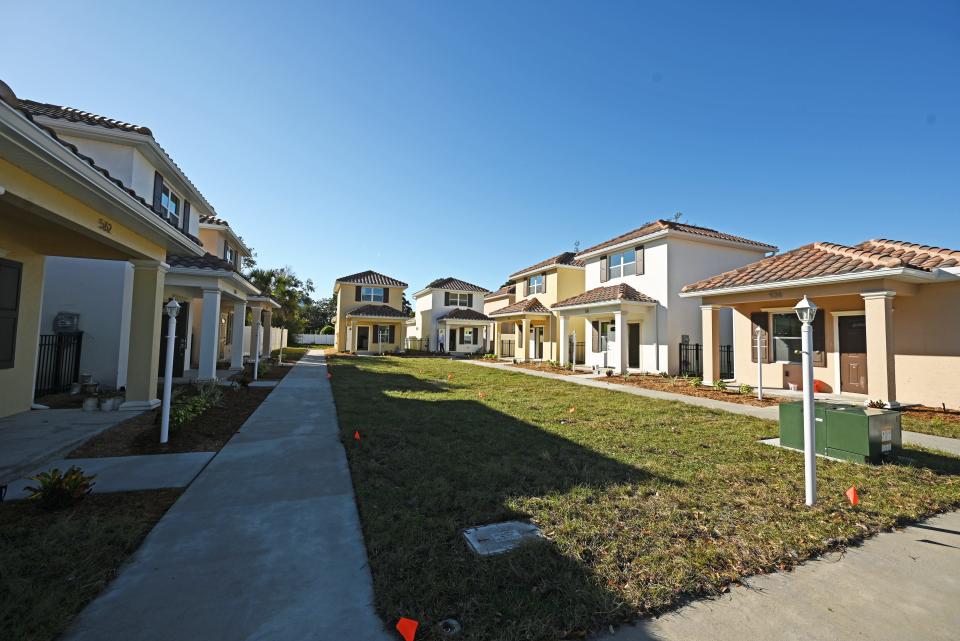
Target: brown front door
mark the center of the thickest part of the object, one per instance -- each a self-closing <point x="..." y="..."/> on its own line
<point x="852" y="331"/>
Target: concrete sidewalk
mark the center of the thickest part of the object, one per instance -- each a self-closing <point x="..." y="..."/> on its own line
<point x="898" y="585"/>
<point x="264" y="544"/>
<point x="771" y="413"/>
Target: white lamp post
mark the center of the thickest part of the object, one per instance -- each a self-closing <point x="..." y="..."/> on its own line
<point x="806" y="312"/>
<point x="759" y="333"/>
<point x="573" y="353"/>
<point x="256" y="352"/>
<point x="173" y="308"/>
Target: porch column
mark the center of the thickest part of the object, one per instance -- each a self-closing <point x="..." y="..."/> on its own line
<point x="710" y="320"/>
<point x="253" y="330"/>
<point x="524" y="341"/>
<point x="881" y="370"/>
<point x="236" y="348"/>
<point x="267" y="323"/>
<point x="620" y="322"/>
<point x="209" y="335"/>
<point x="144" y="352"/>
<point x="496" y="338"/>
<point x="562" y="340"/>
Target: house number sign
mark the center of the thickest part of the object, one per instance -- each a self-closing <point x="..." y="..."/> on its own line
<point x="105" y="225"/>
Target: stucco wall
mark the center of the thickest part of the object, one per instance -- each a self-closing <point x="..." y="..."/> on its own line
<point x="16" y="383"/>
<point x="346" y="303"/>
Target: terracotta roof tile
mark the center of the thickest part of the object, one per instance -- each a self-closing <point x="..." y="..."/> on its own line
<point x="503" y="291"/>
<point x="606" y="295"/>
<point x="566" y="258"/>
<point x="456" y="284"/>
<point x="818" y="260"/>
<point x="377" y="311"/>
<point x="664" y="225"/>
<point x="371" y="277"/>
<point x="213" y="220"/>
<point x="207" y="261"/>
<point x="526" y="306"/>
<point x="464" y="314"/>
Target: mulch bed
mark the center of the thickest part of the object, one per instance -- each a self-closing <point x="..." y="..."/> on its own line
<point x="277" y="372"/>
<point x="55" y="562"/>
<point x="545" y="367"/>
<point x="931" y="420"/>
<point x="63" y="401"/>
<point x="206" y="433"/>
<point x="681" y="386"/>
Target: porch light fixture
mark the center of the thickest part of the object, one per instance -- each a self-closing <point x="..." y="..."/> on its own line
<point x="806" y="312"/>
<point x="172" y="308"/>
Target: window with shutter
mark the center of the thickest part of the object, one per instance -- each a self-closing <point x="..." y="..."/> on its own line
<point x="595" y="336"/>
<point x="376" y="333"/>
<point x="819" y="340"/>
<point x="761" y="320"/>
<point x="386" y="294"/>
<point x="639" y="252"/>
<point x="603" y="270"/>
<point x="393" y="334"/>
<point x="358" y="293"/>
<point x="10" y="278"/>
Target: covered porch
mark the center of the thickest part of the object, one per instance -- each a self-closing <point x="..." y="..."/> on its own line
<point x="375" y="329"/>
<point x="464" y="331"/>
<point x="534" y="329"/>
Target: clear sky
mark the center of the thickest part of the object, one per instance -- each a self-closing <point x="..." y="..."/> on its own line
<point x="473" y="139"/>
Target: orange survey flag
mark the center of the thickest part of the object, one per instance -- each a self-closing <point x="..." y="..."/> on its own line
<point x="356" y="436"/>
<point x="407" y="628"/>
<point x="852" y="495"/>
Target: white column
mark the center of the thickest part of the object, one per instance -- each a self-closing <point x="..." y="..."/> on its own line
<point x="209" y="335"/>
<point x="253" y="331"/>
<point x="267" y="320"/>
<point x="236" y="348"/>
<point x="881" y="365"/>
<point x="188" y="355"/>
<point x="710" y="324"/>
<point x="620" y="322"/>
<point x="525" y="339"/>
<point x="562" y="339"/>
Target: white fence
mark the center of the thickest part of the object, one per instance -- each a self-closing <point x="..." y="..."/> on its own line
<point x="313" y="339"/>
<point x="277" y="336"/>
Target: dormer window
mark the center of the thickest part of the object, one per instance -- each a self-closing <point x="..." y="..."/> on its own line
<point x="372" y="294"/>
<point x="170" y="205"/>
<point x="535" y="285"/>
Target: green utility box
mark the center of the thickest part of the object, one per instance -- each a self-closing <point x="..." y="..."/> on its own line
<point x="844" y="430"/>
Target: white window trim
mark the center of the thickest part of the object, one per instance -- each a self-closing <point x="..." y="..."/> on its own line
<point x="772" y="337"/>
<point x="459" y="299"/>
<point x="171" y="192"/>
<point x="373" y="295"/>
<point x="622" y="265"/>
<point x="539" y="287"/>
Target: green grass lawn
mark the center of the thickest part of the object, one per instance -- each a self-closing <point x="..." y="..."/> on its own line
<point x="929" y="423"/>
<point x="644" y="503"/>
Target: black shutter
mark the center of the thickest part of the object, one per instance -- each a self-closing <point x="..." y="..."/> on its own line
<point x="595" y="336"/>
<point x="446" y="299"/>
<point x="376" y="333"/>
<point x="639" y="251"/>
<point x="186" y="216"/>
<point x="359" y="289"/>
<point x="819" y="340"/>
<point x="157" y="189"/>
<point x="761" y="320"/>
<point x="393" y="334"/>
<point x="461" y="337"/>
<point x="544" y="288"/>
<point x="386" y="294"/>
<point x="603" y="269"/>
<point x="476" y="335"/>
<point x="469" y="300"/>
<point x="11" y="273"/>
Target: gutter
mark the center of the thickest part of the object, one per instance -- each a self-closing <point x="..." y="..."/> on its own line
<point x="592" y="253"/>
<point x="892" y="272"/>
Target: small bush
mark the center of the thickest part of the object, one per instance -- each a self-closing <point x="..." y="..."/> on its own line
<point x="664" y="374"/>
<point x="56" y="490"/>
<point x="609" y="373"/>
<point x="696" y="381"/>
<point x="327" y="330"/>
<point x="746" y="389"/>
<point x="721" y="385"/>
<point x="879" y="405"/>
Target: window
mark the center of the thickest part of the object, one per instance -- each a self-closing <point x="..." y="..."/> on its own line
<point x="467" y="336"/>
<point x="535" y="285"/>
<point x="459" y="300"/>
<point x="608" y="334"/>
<point x="170" y="205"/>
<point x="623" y="264"/>
<point x="231" y="255"/>
<point x="372" y="294"/>
<point x="786" y="338"/>
<point x="507" y="327"/>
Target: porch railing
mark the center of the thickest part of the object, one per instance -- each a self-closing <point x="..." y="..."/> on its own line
<point x="58" y="362"/>
<point x="506" y="349"/>
<point x="691" y="360"/>
<point x="726" y="361"/>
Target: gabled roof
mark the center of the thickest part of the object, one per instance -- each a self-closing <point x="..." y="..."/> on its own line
<point x="670" y="225"/>
<point x="621" y="292"/>
<point x="526" y="306"/>
<point x="506" y="290"/>
<point x="371" y="277"/>
<point x="377" y="311"/>
<point x="824" y="260"/>
<point x="455" y="284"/>
<point x="464" y="313"/>
<point x="566" y="258"/>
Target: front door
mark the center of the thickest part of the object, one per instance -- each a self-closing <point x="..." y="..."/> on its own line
<point x="633" y="345"/>
<point x="180" y="343"/>
<point x="452" y="341"/>
<point x="536" y="342"/>
<point x="363" y="338"/>
<point x="852" y="332"/>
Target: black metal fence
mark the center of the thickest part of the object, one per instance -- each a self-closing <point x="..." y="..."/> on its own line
<point x="726" y="361"/>
<point x="691" y="360"/>
<point x="58" y="362"/>
<point x="506" y="349"/>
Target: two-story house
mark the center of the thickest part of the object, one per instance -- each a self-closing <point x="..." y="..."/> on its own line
<point x="527" y="329"/>
<point x="631" y="307"/>
<point x="448" y="317"/>
<point x="370" y="317"/>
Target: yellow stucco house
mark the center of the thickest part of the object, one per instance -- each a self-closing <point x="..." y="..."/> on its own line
<point x="527" y="329"/>
<point x="56" y="201"/>
<point x="885" y="329"/>
<point x="370" y="317"/>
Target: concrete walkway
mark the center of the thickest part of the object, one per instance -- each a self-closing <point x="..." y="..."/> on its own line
<point x="126" y="473"/>
<point x="899" y="585"/>
<point x="30" y="439"/>
<point x="264" y="544"/>
<point x="770" y="413"/>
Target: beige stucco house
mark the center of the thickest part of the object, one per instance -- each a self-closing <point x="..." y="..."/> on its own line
<point x="886" y="329"/>
<point x="370" y="317"/>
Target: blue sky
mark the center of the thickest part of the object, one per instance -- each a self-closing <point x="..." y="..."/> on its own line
<point x="472" y="139"/>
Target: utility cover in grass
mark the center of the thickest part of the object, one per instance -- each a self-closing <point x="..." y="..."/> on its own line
<point x="498" y="538"/>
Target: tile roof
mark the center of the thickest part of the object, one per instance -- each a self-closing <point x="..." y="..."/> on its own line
<point x="526" y="306"/>
<point x="464" y="314"/>
<point x="566" y="258"/>
<point x="606" y="295"/>
<point x="371" y="277"/>
<point x="503" y="291"/>
<point x="456" y="284"/>
<point x="213" y="220"/>
<point x="207" y="261"/>
<point x="377" y="311"/>
<point x="665" y="225"/>
<point x="819" y="260"/>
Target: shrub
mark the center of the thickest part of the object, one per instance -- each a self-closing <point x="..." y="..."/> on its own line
<point x="721" y="385"/>
<point x="696" y="381"/>
<point x="877" y="405"/>
<point x="189" y="406"/>
<point x="609" y="373"/>
<point x="56" y="490"/>
<point x="664" y="374"/>
<point x="327" y="330"/>
<point x="746" y="389"/>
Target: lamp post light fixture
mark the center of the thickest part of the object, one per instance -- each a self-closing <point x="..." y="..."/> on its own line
<point x="172" y="308"/>
<point x="806" y="312"/>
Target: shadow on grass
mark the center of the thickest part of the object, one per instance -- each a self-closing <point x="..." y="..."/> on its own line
<point x="937" y="463"/>
<point x="426" y="469"/>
